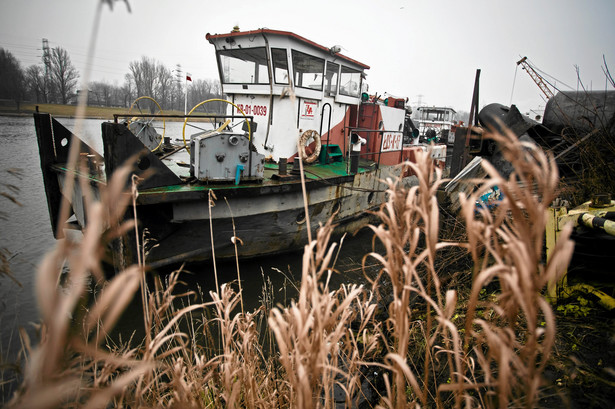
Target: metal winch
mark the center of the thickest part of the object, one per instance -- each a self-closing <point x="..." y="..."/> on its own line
<point x="225" y="157"/>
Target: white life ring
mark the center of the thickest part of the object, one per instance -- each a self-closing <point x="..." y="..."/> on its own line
<point x="303" y="142"/>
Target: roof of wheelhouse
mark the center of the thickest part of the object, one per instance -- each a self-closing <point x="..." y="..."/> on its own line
<point x="435" y="108"/>
<point x="211" y="37"/>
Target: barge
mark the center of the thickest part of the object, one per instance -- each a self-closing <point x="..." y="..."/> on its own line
<point x="288" y="100"/>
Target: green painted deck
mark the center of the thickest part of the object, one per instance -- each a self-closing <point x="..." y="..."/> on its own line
<point x="312" y="172"/>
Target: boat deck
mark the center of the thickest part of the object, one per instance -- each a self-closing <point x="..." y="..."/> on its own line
<point x="330" y="173"/>
<point x="179" y="163"/>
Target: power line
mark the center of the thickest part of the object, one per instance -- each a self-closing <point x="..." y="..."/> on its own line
<point x="27" y="47"/>
<point x="544" y="74"/>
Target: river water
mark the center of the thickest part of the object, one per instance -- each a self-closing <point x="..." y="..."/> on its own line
<point x="25" y="232"/>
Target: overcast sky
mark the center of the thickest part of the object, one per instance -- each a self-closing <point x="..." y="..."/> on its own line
<point x="425" y="50"/>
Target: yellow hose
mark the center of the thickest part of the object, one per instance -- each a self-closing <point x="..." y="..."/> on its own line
<point x="225" y="124"/>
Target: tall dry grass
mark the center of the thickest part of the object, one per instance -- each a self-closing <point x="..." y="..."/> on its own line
<point x="476" y="353"/>
<point x="408" y="341"/>
<point x="326" y="335"/>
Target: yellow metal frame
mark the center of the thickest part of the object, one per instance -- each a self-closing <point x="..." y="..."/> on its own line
<point x="558" y="218"/>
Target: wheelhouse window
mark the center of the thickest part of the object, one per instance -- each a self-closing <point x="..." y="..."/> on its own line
<point x="350" y="82"/>
<point x="280" y="65"/>
<point x="244" y="66"/>
<point x="331" y="78"/>
<point x="437" y="115"/>
<point x="308" y="70"/>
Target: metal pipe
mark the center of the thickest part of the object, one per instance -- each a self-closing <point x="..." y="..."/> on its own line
<point x="271" y="79"/>
<point x="598" y="223"/>
<point x="380" y="149"/>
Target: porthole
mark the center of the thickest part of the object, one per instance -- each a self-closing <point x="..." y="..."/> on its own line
<point x="64" y="142"/>
<point x="143" y="163"/>
<point x="300" y="218"/>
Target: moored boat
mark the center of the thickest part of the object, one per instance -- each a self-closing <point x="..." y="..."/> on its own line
<point x="292" y="105"/>
<point x="436" y="124"/>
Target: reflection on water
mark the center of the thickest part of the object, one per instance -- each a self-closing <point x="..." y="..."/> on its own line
<point x="26" y="234"/>
<point x="282" y="271"/>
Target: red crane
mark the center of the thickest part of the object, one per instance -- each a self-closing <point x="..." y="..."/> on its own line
<point x="536" y="77"/>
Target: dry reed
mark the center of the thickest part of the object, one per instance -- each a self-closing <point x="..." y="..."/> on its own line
<point x="430" y="345"/>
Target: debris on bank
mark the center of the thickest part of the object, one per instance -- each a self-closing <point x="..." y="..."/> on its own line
<point x="578" y="129"/>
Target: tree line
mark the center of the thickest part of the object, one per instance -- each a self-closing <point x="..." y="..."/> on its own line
<point x="56" y="80"/>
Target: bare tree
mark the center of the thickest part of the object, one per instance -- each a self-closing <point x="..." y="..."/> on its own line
<point x="128" y="92"/>
<point x="177" y="93"/>
<point x="151" y="78"/>
<point x="164" y="85"/>
<point x="63" y="73"/>
<point x="117" y="95"/>
<point x="35" y="83"/>
<point x="11" y="78"/>
<point x="202" y="90"/>
<point x="143" y="76"/>
<point x="101" y="91"/>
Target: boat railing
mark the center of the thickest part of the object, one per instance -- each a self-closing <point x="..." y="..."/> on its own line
<point x="368" y="133"/>
<point x="212" y="118"/>
<point x="198" y="116"/>
<point x="322" y="117"/>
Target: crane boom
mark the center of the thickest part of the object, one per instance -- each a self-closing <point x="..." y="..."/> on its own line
<point x="536" y="77"/>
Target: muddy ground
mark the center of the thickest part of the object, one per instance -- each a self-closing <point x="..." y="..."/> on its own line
<point x="581" y="370"/>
